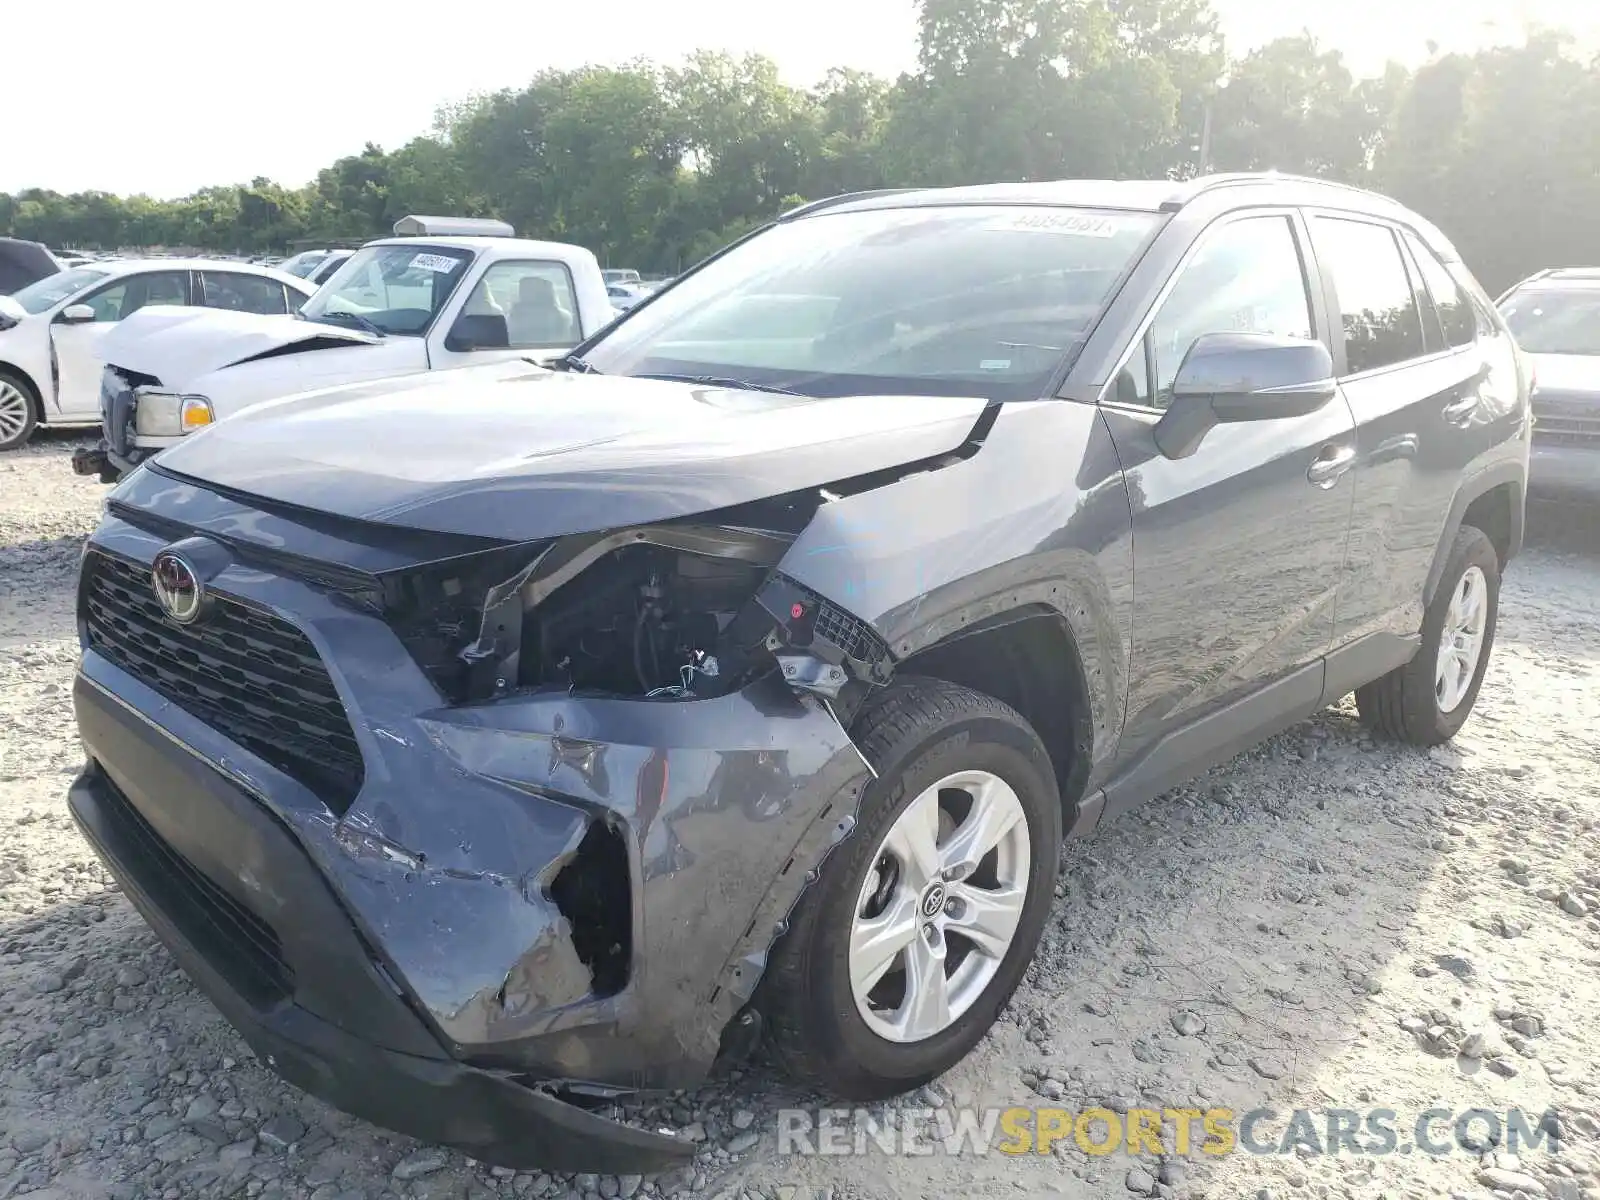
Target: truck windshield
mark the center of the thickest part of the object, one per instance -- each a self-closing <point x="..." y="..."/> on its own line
<point x="390" y="289"/>
<point x="1552" y="321"/>
<point x="969" y="300"/>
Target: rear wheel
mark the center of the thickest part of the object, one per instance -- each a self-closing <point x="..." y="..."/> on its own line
<point x="1427" y="701"/>
<point x="19" y="411"/>
<point x="902" y="954"/>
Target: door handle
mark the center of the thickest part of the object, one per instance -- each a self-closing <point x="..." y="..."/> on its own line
<point x="1459" y="411"/>
<point x="1329" y="466"/>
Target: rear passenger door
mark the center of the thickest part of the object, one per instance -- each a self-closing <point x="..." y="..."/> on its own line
<point x="1415" y="379"/>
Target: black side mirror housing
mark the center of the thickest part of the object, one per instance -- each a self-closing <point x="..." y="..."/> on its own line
<point x="1230" y="377"/>
<point x="478" y="331"/>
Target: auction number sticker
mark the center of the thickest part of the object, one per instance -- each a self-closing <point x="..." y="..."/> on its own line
<point x="442" y="264"/>
<point x="1058" y="221"/>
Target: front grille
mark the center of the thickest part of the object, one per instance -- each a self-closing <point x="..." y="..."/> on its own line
<point x="1566" y="418"/>
<point x="1567" y="431"/>
<point x="235" y="941"/>
<point x="246" y="673"/>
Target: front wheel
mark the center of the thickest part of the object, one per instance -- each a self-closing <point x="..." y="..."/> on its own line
<point x="903" y="952"/>
<point x="1427" y="701"/>
<point x="18" y="412"/>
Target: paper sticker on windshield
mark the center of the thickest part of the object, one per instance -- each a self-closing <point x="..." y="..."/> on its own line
<point x="443" y="264"/>
<point x="1071" y="224"/>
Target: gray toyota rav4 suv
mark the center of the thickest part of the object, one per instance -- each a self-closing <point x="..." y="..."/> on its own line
<point x="493" y="743"/>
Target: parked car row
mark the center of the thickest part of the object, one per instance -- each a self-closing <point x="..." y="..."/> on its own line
<point x="428" y="300"/>
<point x="51" y="331"/>
<point x="486" y="742"/>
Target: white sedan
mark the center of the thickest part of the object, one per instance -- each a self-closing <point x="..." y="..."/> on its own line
<point x="50" y="330"/>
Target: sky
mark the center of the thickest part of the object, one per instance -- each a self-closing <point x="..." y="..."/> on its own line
<point x="167" y="96"/>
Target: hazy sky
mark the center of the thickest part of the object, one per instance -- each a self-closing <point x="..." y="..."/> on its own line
<point x="165" y="96"/>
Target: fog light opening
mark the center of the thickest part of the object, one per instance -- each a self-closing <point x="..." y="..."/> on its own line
<point x="592" y="892"/>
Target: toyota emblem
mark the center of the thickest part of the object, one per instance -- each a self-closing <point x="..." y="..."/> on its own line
<point x="177" y="587"/>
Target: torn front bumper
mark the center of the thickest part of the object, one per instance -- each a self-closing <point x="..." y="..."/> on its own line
<point x="412" y="952"/>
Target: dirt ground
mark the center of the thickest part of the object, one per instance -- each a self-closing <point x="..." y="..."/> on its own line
<point x="1324" y="923"/>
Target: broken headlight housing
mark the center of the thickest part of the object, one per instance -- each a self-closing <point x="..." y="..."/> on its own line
<point x="660" y="612"/>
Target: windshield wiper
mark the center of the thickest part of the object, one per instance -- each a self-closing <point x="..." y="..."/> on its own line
<point x="360" y="321"/>
<point x="571" y="362"/>
<point x="722" y="382"/>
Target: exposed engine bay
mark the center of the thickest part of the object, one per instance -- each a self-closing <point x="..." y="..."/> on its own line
<point x="668" y="612"/>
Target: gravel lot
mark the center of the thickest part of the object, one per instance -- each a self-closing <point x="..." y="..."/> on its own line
<point x="1325" y="922"/>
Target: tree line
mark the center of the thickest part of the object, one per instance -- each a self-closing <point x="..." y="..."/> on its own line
<point x="653" y="166"/>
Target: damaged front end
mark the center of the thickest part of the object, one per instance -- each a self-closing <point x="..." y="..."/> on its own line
<point x="138" y="419"/>
<point x="583" y="782"/>
<point x="672" y="612"/>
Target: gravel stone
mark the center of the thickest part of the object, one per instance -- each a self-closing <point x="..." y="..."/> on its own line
<point x="420" y="1163"/>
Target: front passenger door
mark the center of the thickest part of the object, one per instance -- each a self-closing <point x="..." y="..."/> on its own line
<point x="1237" y="548"/>
<point x="78" y="364"/>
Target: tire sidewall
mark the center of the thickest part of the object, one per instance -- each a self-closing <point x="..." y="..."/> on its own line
<point x="1472" y="551"/>
<point x="973" y="743"/>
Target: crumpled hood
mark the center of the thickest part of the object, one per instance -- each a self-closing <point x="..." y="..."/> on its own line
<point x="513" y="451"/>
<point x="1567" y="372"/>
<point x="178" y="345"/>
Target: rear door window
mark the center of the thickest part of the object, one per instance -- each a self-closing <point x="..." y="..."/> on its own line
<point x="238" y="292"/>
<point x="1456" y="316"/>
<point x="1378" y="309"/>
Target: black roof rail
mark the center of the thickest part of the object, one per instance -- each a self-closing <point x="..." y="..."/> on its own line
<point x="814" y="206"/>
<point x="1208" y="183"/>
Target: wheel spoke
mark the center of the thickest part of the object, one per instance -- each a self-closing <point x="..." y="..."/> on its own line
<point x="876" y="942"/>
<point x="914" y="841"/>
<point x="926" y="1008"/>
<point x="995" y="809"/>
<point x="987" y="917"/>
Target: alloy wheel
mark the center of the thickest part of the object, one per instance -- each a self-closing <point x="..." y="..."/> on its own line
<point x="1461" y="640"/>
<point x="939" y="909"/>
<point x="13" y="411"/>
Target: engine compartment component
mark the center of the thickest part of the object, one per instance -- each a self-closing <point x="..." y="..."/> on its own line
<point x="645" y="620"/>
<point x="667" y="612"/>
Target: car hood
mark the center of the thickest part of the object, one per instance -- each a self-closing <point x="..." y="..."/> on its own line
<point x="178" y="345"/>
<point x="516" y="452"/>
<point x="1567" y="373"/>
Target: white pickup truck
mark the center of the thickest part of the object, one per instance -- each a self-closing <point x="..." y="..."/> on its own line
<point x="444" y="292"/>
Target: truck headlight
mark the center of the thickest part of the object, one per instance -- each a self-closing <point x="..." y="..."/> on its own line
<point x="166" y="414"/>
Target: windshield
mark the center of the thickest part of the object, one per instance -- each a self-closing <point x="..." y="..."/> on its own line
<point x="1552" y="321"/>
<point x="304" y="263"/>
<point x="53" y="289"/>
<point x="391" y="289"/>
<point x="983" y="301"/>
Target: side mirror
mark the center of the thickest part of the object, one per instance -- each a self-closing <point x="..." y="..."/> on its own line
<point x="478" y="331"/>
<point x="76" y="314"/>
<point x="1228" y="377"/>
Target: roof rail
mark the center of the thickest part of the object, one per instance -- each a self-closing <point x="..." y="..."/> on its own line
<point x="805" y="210"/>
<point x="1207" y="183"/>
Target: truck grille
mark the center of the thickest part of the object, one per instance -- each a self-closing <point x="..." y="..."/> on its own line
<point x="1566" y="419"/>
<point x="246" y="673"/>
<point x="238" y="943"/>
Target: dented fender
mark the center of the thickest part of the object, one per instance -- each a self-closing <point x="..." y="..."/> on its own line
<point x="1038" y="519"/>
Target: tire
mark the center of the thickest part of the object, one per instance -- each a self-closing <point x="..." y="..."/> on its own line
<point x="1406" y="703"/>
<point x="916" y="733"/>
<point x="19" y="410"/>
